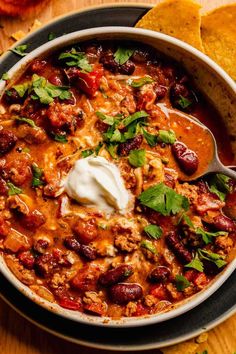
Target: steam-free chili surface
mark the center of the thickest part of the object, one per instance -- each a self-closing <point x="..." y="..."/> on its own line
<point x="128" y="105"/>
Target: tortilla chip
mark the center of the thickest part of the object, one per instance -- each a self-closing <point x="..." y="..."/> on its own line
<point x="219" y="37"/>
<point x="189" y="347"/>
<point x="177" y="18"/>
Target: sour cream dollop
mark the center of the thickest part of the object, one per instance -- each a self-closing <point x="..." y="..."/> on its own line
<point x="96" y="182"/>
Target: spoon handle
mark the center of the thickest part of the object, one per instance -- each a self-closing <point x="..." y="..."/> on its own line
<point x="227" y="171"/>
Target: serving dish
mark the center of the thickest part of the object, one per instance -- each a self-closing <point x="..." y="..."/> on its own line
<point x="214" y="87"/>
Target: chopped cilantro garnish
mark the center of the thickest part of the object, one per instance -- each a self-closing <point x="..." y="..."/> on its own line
<point x="26" y="120"/>
<point x="134" y="117"/>
<point x="37" y="176"/>
<point x="140" y="82"/>
<point x="21" y="89"/>
<point x="201" y="255"/>
<point x="151" y="139"/>
<point x="149" y="246"/>
<point x="153" y="231"/>
<point x="163" y="199"/>
<point x="51" y="36"/>
<point x="5" y="76"/>
<point x="184" y="102"/>
<point x="61" y="138"/>
<point x="181" y="282"/>
<point x="74" y="58"/>
<point x="123" y="54"/>
<point x="112" y="148"/>
<point x="219" y="184"/>
<point x="13" y="190"/>
<point x="137" y="158"/>
<point x="86" y="153"/>
<point x="196" y="263"/>
<point x="105" y="118"/>
<point x="207" y="236"/>
<point x="166" y="136"/>
<point x="20" y="50"/>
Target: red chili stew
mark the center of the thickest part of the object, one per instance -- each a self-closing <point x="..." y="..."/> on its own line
<point x="127" y="104"/>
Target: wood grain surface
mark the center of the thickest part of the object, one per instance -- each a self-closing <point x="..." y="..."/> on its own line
<point x="17" y="335"/>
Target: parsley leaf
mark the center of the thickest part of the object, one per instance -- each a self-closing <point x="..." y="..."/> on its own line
<point x="123" y="54"/>
<point x="20" y="50"/>
<point x="86" y="153"/>
<point x="139" y="83"/>
<point x="153" y="231"/>
<point x="181" y="282"/>
<point x="207" y="236"/>
<point x="184" y="102"/>
<point x="5" y="76"/>
<point x="74" y="58"/>
<point x="149" y="246"/>
<point x="166" y="136"/>
<point x="137" y="158"/>
<point x="163" y="199"/>
<point x="37" y="176"/>
<point x="219" y="184"/>
<point x="13" y="190"/>
<point x="151" y="139"/>
<point x="215" y="258"/>
<point x="61" y="138"/>
<point x="26" y="120"/>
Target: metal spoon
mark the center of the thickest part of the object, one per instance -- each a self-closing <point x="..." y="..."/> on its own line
<point x="215" y="165"/>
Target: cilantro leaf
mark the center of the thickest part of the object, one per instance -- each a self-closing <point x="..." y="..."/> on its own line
<point x="123" y="54"/>
<point x="149" y="246"/>
<point x="111" y="148"/>
<point x="184" y="102"/>
<point x="37" y="176"/>
<point x="5" y="76"/>
<point x="163" y="199"/>
<point x="207" y="236"/>
<point x="105" y="118"/>
<point x="20" y="50"/>
<point x="98" y="148"/>
<point x="219" y="184"/>
<point x="136" y="116"/>
<point x="215" y="258"/>
<point x="166" y="136"/>
<point x="13" y="190"/>
<point x="86" y="153"/>
<point x="26" y="120"/>
<point x="21" y="89"/>
<point x="153" y="231"/>
<point x="61" y="138"/>
<point x="196" y="263"/>
<point x="137" y="158"/>
<point x="181" y="282"/>
<point x="74" y="58"/>
<point x="151" y="139"/>
<point x="51" y="36"/>
<point x="140" y="82"/>
<point x="188" y="221"/>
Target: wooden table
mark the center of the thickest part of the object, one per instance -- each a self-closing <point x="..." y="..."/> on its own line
<point x="18" y="336"/>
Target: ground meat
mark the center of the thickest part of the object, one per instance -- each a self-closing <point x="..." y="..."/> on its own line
<point x="31" y="135"/>
<point x="189" y="191"/>
<point x="126" y="235"/>
<point x="7" y="141"/>
<point x="4" y="228"/>
<point x="174" y="293"/>
<point x="150" y="300"/>
<point x="18" y="169"/>
<point x="208" y="201"/>
<point x="130" y="309"/>
<point x="26" y="276"/>
<point x="223" y="244"/>
<point x="62" y="118"/>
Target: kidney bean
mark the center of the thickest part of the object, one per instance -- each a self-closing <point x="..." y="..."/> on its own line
<point x="72" y="244"/>
<point x="122" y="293"/>
<point x="160" y="92"/>
<point x="37" y="66"/>
<point x="223" y="223"/>
<point x="115" y="275"/>
<point x="140" y="56"/>
<point x="159" y="274"/>
<point x="55" y="80"/>
<point x="7" y="141"/>
<point x="83" y="250"/>
<point x="88" y="252"/>
<point x="40" y="246"/>
<point x="101" y="126"/>
<point x="186" y="158"/>
<point x="44" y="264"/>
<point x="179" y="90"/>
<point x="27" y="259"/>
<point x="127" y="68"/>
<point x="33" y="220"/>
<point x="131" y="144"/>
<point x="86" y="231"/>
<point x="86" y="279"/>
<point x="230" y="205"/>
<point x="181" y="252"/>
<point x="109" y="63"/>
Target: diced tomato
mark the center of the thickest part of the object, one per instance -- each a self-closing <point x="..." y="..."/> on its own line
<point x="190" y="275"/>
<point x="90" y="82"/>
<point x="141" y="310"/>
<point x="201" y="280"/>
<point x="159" y="291"/>
<point x="27" y="259"/>
<point x="70" y="304"/>
<point x="96" y="308"/>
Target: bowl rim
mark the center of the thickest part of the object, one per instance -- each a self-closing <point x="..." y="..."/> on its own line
<point x="82" y="35"/>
